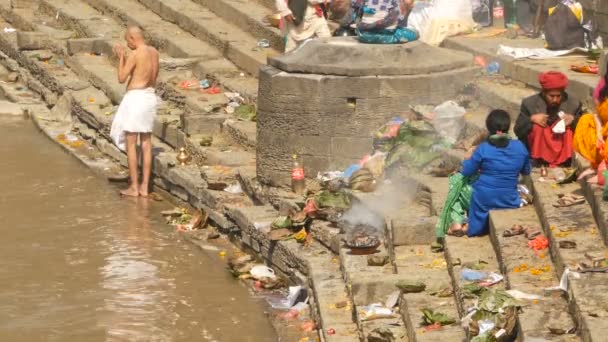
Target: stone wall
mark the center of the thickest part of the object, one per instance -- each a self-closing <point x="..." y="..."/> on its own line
<point x="325" y="100"/>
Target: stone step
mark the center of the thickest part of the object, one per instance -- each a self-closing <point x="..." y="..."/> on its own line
<point x="541" y="318"/>
<point x="496" y="92"/>
<point x="370" y="284"/>
<point x="321" y="267"/>
<point x="242" y="132"/>
<point x="327" y="234"/>
<point x="248" y="16"/>
<point x="462" y="253"/>
<point x="527" y="70"/>
<point x="576" y="223"/>
<point x="173" y="41"/>
<point x="237" y="45"/>
<point x="417" y="263"/>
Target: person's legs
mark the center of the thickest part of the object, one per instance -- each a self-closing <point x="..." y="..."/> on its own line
<point x="321" y="28"/>
<point x="146" y="150"/>
<point x="133" y="189"/>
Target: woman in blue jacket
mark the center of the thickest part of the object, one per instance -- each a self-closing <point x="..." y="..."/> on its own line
<point x="499" y="161"/>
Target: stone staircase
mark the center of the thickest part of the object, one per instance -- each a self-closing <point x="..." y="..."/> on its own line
<point x="217" y="40"/>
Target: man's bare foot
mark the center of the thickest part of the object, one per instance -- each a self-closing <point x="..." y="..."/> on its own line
<point x="143" y="191"/>
<point x="593" y="180"/>
<point x="131" y="192"/>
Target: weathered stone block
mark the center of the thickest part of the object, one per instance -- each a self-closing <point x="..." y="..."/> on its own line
<point x="34" y="41"/>
<point x="413" y="230"/>
<point x="88" y="45"/>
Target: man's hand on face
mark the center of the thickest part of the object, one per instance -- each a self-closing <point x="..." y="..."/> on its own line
<point x="540" y="119"/>
<point x="568" y="119"/>
<point x="290" y="18"/>
<point x="119" y="51"/>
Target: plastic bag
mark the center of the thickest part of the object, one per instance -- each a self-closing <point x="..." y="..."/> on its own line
<point x="262" y="271"/>
<point x="448" y="18"/>
<point x="420" y="17"/>
<point x="449" y="120"/>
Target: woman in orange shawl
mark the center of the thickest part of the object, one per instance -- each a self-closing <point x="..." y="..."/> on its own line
<point x="591" y="134"/>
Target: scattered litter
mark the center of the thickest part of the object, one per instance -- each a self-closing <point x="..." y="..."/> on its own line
<point x="234" y="189"/>
<point x="485" y="326"/>
<point x="297" y="294"/>
<point x="9" y="30"/>
<point x="189" y="84"/>
<point x="204" y="84"/>
<point x="493" y="68"/>
<point x="522" y="295"/>
<point x="539" y="243"/>
<point x="493" y="278"/>
<point x="212" y="90"/>
<point x="431" y="317"/>
<point x="472" y="275"/>
<point x="263" y="43"/>
<point x="242" y="74"/>
<point x="308" y="326"/>
<point x="539" y="53"/>
<point x="481" y="61"/>
<point x="329" y="176"/>
<point x="222" y="254"/>
<point x="246" y="112"/>
<point x="375" y="311"/>
<point x="259" y="272"/>
<point x="449" y="120"/>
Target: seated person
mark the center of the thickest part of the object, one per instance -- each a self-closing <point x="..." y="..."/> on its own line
<point x="591" y="133"/>
<point x="302" y="20"/>
<point x="498" y="161"/>
<point x="380" y="21"/>
<point x="537" y="124"/>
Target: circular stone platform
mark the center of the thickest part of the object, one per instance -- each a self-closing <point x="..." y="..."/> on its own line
<point x="325" y="99"/>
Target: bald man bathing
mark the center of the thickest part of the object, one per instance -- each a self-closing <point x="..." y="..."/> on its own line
<point x="135" y="115"/>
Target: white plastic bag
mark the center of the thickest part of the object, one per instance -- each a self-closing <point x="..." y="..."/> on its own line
<point x="262" y="271"/>
<point x="449" y="120"/>
<point x="420" y="17"/>
<point x="448" y="18"/>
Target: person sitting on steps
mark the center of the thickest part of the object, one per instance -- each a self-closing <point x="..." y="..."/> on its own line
<point x="539" y="124"/>
<point x="498" y="161"/>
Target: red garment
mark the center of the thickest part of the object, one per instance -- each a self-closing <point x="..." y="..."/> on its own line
<point x="553" y="148"/>
<point x="553" y="80"/>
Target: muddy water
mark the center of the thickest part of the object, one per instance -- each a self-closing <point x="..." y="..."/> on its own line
<point x="77" y="263"/>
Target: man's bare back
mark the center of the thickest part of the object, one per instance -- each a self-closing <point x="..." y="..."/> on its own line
<point x="145" y="72"/>
<point x="140" y="67"/>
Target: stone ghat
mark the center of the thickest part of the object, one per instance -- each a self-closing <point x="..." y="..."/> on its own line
<point x="333" y="275"/>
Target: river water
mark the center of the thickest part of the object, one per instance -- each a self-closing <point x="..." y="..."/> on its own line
<point x="78" y="263"/>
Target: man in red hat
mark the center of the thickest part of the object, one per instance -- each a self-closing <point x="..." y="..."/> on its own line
<point x="547" y="121"/>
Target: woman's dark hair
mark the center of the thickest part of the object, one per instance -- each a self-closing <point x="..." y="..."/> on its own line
<point x="604" y="90"/>
<point x="498" y="123"/>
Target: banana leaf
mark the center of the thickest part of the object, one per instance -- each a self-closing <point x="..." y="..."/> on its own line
<point x="431" y="317"/>
<point x="338" y="200"/>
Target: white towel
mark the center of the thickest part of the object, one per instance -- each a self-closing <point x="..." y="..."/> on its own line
<point x="135" y="114"/>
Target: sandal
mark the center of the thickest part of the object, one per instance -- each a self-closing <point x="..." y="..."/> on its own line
<point x="570" y="176"/>
<point x="569" y="200"/>
<point x="532" y="233"/>
<point x="516" y="229"/>
<point x="567" y="244"/>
